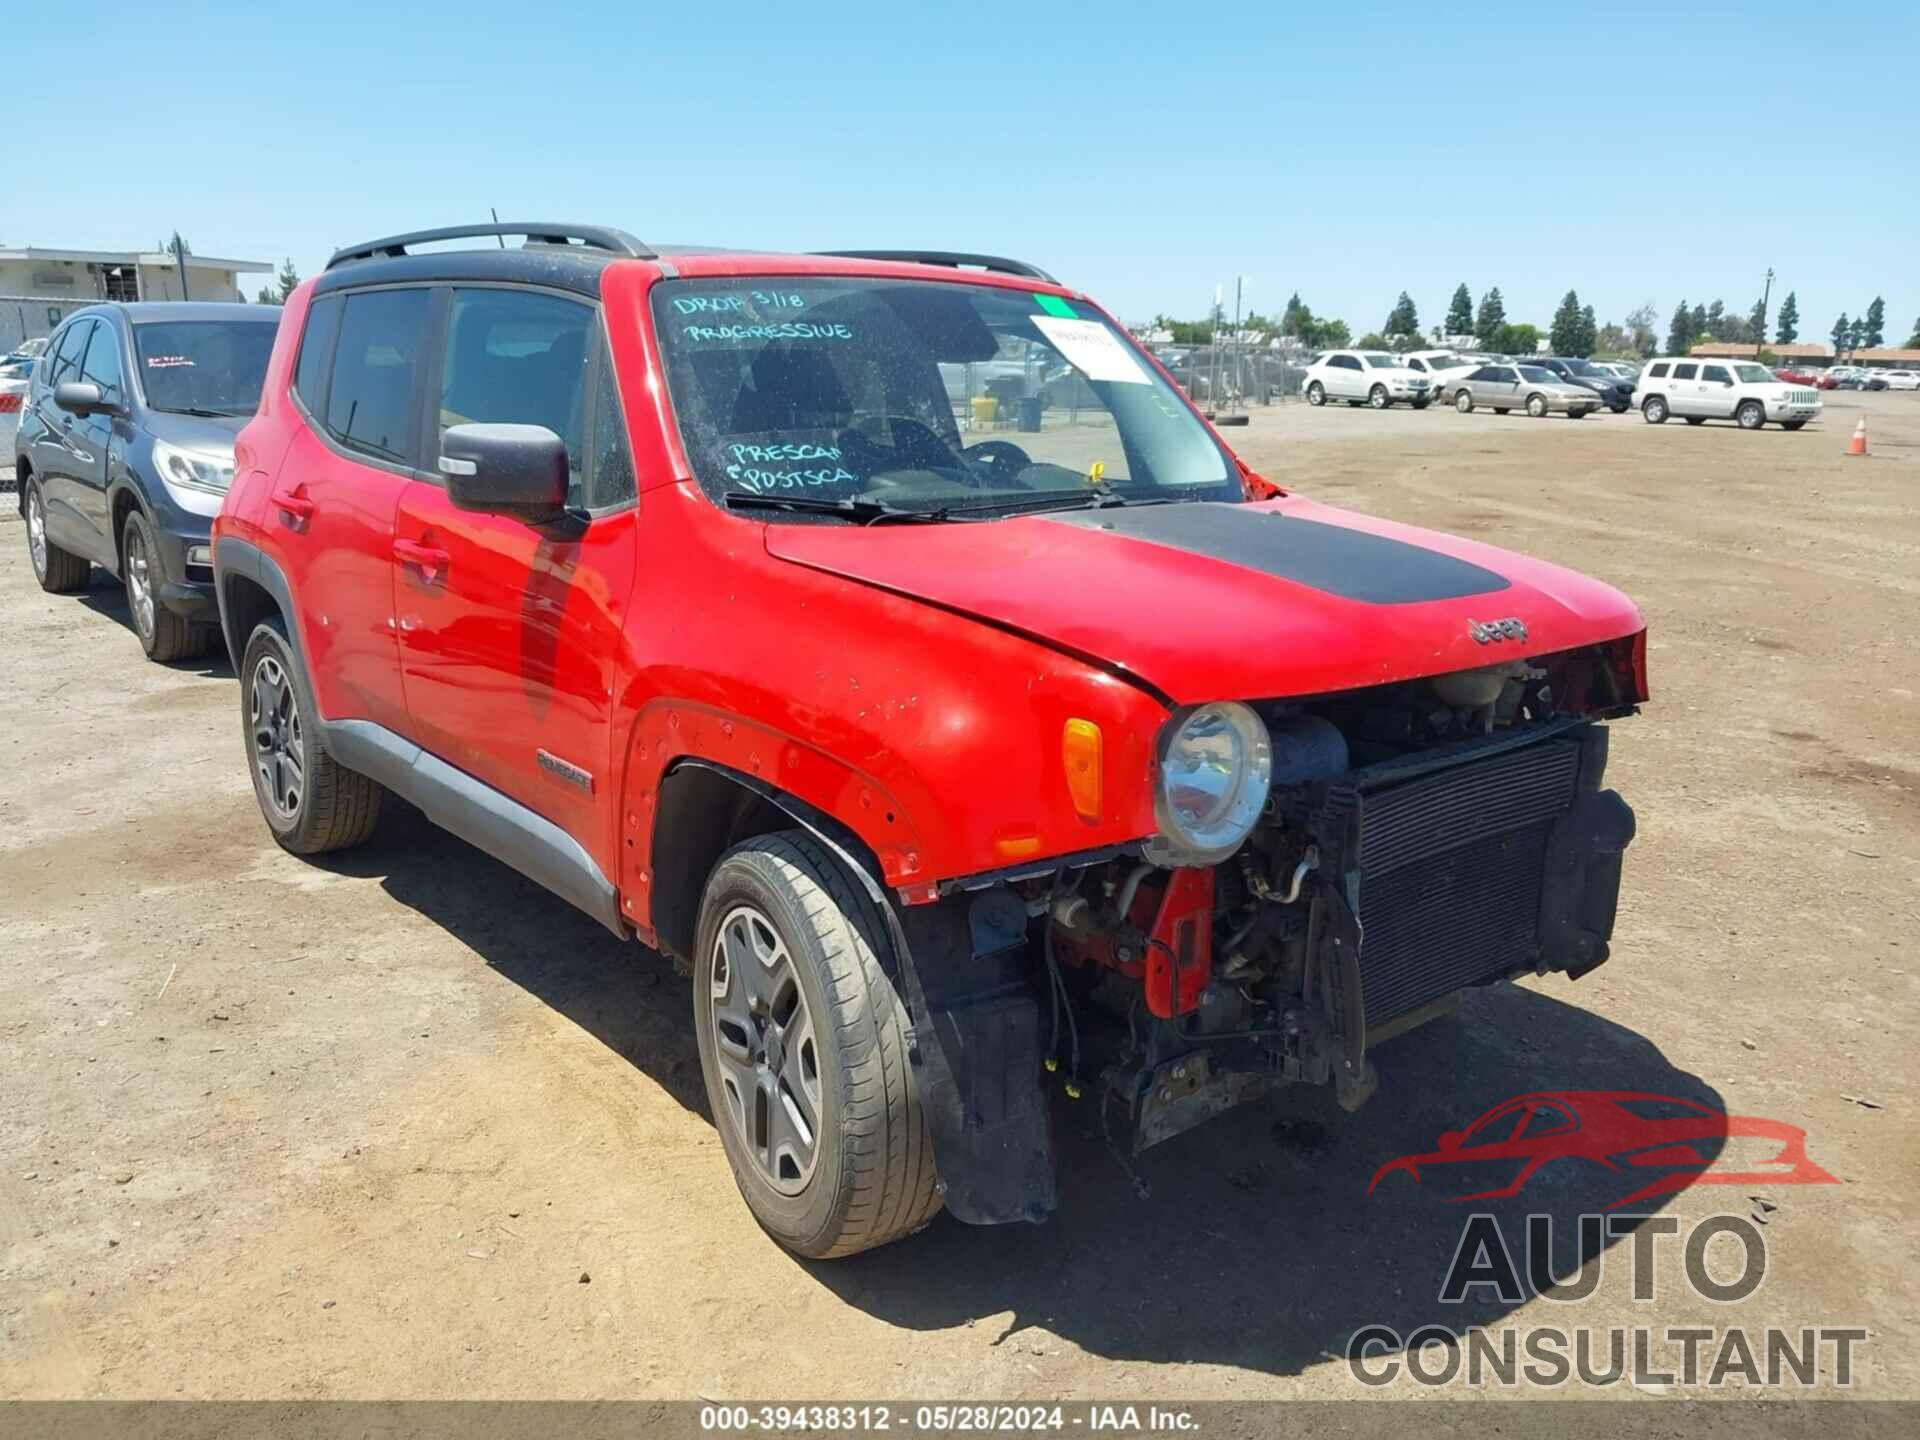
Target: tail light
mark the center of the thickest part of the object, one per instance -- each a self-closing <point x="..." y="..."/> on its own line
<point x="10" y="404"/>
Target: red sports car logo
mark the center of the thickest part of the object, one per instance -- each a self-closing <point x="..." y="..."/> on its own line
<point x="1624" y="1131"/>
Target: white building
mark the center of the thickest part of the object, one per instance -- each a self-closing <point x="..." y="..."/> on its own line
<point x="40" y="287"/>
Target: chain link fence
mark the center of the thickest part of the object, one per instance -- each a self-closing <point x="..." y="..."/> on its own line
<point x="33" y="317"/>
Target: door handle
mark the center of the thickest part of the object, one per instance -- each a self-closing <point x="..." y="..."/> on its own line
<point x="295" y="507"/>
<point x="431" y="562"/>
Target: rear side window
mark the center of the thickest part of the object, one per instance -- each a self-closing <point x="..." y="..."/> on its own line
<point x="1685" y="372"/>
<point x="376" y="373"/>
<point x="102" y="365"/>
<point x="316" y="353"/>
<point x="515" y="357"/>
<point x="1659" y="372"/>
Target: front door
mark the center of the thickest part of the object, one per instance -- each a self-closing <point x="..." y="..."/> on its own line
<point x="59" y="460"/>
<point x="509" y="632"/>
<point x="1501" y="390"/>
<point x="92" y="437"/>
<point x="1717" y="392"/>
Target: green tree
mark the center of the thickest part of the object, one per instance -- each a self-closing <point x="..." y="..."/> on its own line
<point x="1460" y="312"/>
<point x="1493" y="314"/>
<point x="284" y="283"/>
<point x="1564" y="334"/>
<point x="1295" y="318"/>
<point x="1372" y="340"/>
<point x="1757" y="322"/>
<point x="1680" y="331"/>
<point x="1589" y="339"/>
<point x="1714" y="322"/>
<point x="1519" y="340"/>
<point x="1328" y="335"/>
<point x="1842" y="333"/>
<point x="1876" y="323"/>
<point x="1913" y="340"/>
<point x="1788" y="330"/>
<point x="1697" y="326"/>
<point x="1639" y="325"/>
<point x="1403" y="319"/>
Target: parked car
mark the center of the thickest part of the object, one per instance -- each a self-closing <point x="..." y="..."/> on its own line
<point x="125" y="447"/>
<point x="1365" y="377"/>
<point x="1903" y="380"/>
<point x="1874" y="380"/>
<point x="670" y="580"/>
<point x="25" y="353"/>
<point x="13" y="393"/>
<point x="1848" y="377"/>
<point x="1795" y="377"/>
<point x="1538" y="391"/>
<point x="1620" y="368"/>
<point x="1742" y="391"/>
<point x="1438" y="366"/>
<point x="1616" y="394"/>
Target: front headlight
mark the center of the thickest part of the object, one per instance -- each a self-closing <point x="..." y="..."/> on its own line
<point x="1215" y="768"/>
<point x="193" y="469"/>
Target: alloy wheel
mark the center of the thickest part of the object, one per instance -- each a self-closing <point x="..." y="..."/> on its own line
<point x="765" y="1045"/>
<point x="139" y="583"/>
<point x="37" y="532"/>
<point x="278" y="761"/>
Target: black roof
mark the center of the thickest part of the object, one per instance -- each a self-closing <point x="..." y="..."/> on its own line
<point x="139" y="312"/>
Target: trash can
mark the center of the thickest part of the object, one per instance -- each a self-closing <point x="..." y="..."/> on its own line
<point x="1029" y="414"/>
<point x="985" y="408"/>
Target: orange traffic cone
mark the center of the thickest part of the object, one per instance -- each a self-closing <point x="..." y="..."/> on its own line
<point x="1858" y="445"/>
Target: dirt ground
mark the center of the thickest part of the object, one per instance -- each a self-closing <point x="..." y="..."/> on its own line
<point x="401" y="1124"/>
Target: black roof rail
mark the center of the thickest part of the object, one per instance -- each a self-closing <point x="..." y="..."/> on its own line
<point x="538" y="232"/>
<point x="954" y="258"/>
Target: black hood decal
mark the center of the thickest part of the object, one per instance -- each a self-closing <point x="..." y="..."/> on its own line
<point x="1351" y="564"/>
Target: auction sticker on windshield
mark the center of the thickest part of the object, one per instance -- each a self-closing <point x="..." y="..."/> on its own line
<point x="1092" y="349"/>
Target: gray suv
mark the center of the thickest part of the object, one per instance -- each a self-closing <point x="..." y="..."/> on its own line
<point x="125" y="449"/>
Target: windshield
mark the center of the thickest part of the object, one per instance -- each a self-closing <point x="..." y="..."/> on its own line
<point x="1382" y="362"/>
<point x="922" y="395"/>
<point x="210" y="366"/>
<point x="1753" y="374"/>
<point x="1538" y="376"/>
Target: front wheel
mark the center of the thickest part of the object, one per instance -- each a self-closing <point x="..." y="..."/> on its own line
<point x="1316" y="394"/>
<point x="1537" y="406"/>
<point x="803" y="1045"/>
<point x="1620" y="407"/>
<point x="163" y="634"/>
<point x="1378" y="397"/>
<point x="1751" y="415"/>
<point x="310" y="801"/>
<point x="1463" y="402"/>
<point x="1654" y="411"/>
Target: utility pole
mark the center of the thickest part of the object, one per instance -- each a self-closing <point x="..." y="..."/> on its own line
<point x="1760" y="340"/>
<point x="179" y="248"/>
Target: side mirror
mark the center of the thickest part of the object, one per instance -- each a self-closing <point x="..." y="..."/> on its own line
<point x="82" y="397"/>
<point x="518" y="470"/>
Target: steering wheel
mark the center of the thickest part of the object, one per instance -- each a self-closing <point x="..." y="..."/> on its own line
<point x="1002" y="459"/>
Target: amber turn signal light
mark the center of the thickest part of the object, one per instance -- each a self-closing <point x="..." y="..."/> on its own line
<point x="1080" y="753"/>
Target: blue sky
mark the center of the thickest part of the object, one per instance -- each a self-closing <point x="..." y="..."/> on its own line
<point x="1142" y="152"/>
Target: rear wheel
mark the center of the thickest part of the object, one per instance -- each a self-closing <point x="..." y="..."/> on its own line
<point x="1316" y="394"/>
<point x="1378" y="397"/>
<point x="59" y="571"/>
<point x="311" y="802"/>
<point x="1463" y="402"/>
<point x="803" y="1045"/>
<point x="163" y="634"/>
<point x="1654" y="410"/>
<point x="1751" y="415"/>
<point x="1537" y="406"/>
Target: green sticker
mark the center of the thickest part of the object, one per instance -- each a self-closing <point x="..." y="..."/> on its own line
<point x="1054" y="305"/>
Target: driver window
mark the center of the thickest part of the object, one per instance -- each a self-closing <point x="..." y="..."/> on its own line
<point x="102" y="365"/>
<point x="518" y="357"/>
<point x="1717" y="374"/>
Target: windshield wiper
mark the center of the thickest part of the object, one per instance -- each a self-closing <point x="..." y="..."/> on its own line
<point x="203" y="412"/>
<point x="1099" y="500"/>
<point x="854" y="507"/>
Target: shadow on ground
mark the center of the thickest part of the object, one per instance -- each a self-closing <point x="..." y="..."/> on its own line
<point x="1257" y="1246"/>
<point x="106" y="596"/>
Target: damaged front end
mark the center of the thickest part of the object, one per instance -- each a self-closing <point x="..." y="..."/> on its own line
<point x="1415" y="840"/>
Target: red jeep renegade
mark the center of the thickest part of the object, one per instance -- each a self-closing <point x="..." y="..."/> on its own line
<point x="886" y="638"/>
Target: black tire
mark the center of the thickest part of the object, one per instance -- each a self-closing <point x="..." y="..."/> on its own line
<point x="1378" y="397"/>
<point x="1792" y="424"/>
<point x="163" y="634"/>
<point x="1654" y="410"/>
<point x="333" y="808"/>
<point x="1751" y="415"/>
<point x="60" y="572"/>
<point x="1620" y="407"/>
<point x="1316" y="394"/>
<point x="1463" y="402"/>
<point x="1696" y="419"/>
<point x="1537" y="406"/>
<point x="871" y="1177"/>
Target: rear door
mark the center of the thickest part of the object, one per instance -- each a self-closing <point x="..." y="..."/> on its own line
<point x="359" y="382"/>
<point x="1683" y="389"/>
<point x="509" y="633"/>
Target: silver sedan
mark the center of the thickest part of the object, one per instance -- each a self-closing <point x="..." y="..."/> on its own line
<point x="1520" y="387"/>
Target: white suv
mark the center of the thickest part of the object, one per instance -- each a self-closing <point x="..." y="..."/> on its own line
<point x="1439" y="366"/>
<point x="1365" y="377"/>
<point x="1702" y="390"/>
